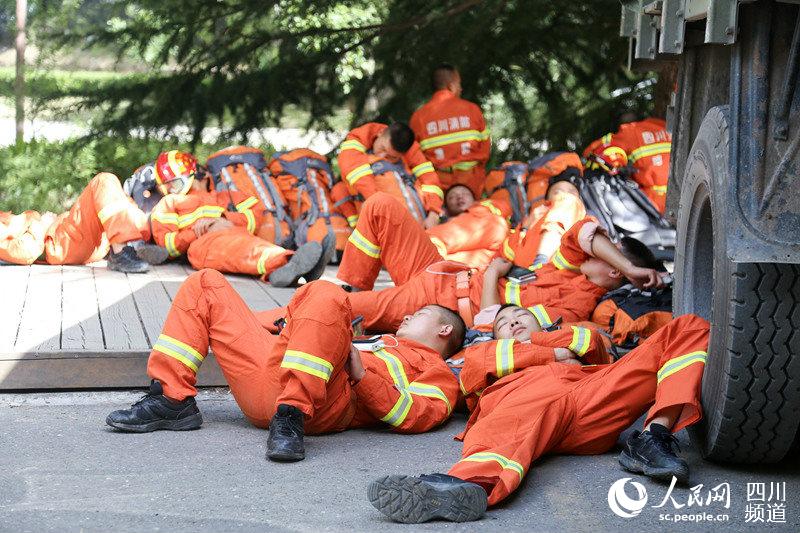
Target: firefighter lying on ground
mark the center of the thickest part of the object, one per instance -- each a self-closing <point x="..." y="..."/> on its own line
<point x="558" y="406"/>
<point x="310" y="378"/>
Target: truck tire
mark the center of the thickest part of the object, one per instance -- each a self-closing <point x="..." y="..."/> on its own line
<point x="751" y="383"/>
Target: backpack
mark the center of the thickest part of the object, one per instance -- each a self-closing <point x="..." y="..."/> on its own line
<point x="242" y="168"/>
<point x="524" y="185"/>
<point x="305" y="180"/>
<point x="624" y="210"/>
<point x="141" y="186"/>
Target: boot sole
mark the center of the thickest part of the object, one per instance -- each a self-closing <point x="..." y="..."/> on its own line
<point x="286" y="457"/>
<point x="153" y="254"/>
<point x="410" y="500"/>
<point x="638" y="467"/>
<point x="328" y="250"/>
<point x="184" y="424"/>
<point x="303" y="261"/>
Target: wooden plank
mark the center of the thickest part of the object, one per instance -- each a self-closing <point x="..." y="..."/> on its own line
<point x="96" y="372"/>
<point x="171" y="276"/>
<point x="122" y="328"/>
<point x="80" y="314"/>
<point x="14" y="280"/>
<point x="40" y="326"/>
<point x="253" y="295"/>
<point x="152" y="301"/>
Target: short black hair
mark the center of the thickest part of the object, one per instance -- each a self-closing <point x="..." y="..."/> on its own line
<point x="503" y="308"/>
<point x="456" y="340"/>
<point x="639" y="254"/>
<point x="401" y="137"/>
<point x="442" y="75"/>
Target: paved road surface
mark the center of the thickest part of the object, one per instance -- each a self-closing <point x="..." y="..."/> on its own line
<point x="63" y="470"/>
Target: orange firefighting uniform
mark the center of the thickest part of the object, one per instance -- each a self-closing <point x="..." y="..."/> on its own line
<point x="558" y="408"/>
<point x="559" y="214"/>
<point x="646" y="146"/>
<point x="236" y="250"/>
<point x="354" y="165"/>
<point x="383" y="236"/>
<point x="453" y="136"/>
<point x="101" y="215"/>
<point x="407" y="385"/>
<point x="560" y="290"/>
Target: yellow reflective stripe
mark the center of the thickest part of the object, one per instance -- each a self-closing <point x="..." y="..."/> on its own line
<point x="464" y="165"/>
<point x="305" y="362"/>
<point x="394" y="366"/>
<point x="581" y="337"/>
<point x="505" y="462"/>
<point x="261" y="264"/>
<point x="112" y="209"/>
<point x="357" y="173"/>
<point x="205" y="211"/>
<point x="247" y="204"/>
<point x="422" y="168"/>
<point x="485" y="134"/>
<point x="433" y="189"/>
<point x="611" y="150"/>
<point x="461" y="386"/>
<point x="251" y="221"/>
<point x="166" y="218"/>
<point x="504" y="357"/>
<point x="492" y="208"/>
<point x="659" y="188"/>
<point x="561" y="263"/>
<point x="508" y="252"/>
<point x="353" y="144"/>
<point x="362" y="243"/>
<point x="512" y="293"/>
<point x="402" y="406"/>
<point x="399" y="411"/>
<point x="244" y="208"/>
<point x="650" y="150"/>
<point x="352" y="220"/>
<point x="169" y="244"/>
<point x="541" y="315"/>
<point x="605" y="139"/>
<point x="430" y="391"/>
<point x="450" y="138"/>
<point x="677" y="364"/>
<point x="180" y="351"/>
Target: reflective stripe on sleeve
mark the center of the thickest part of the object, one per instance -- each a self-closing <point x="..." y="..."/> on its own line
<point x="357" y="173"/>
<point x="353" y="144"/>
<point x="422" y="168"/>
<point x="352" y="220"/>
<point x="581" y="338"/>
<point x="512" y="293"/>
<point x="433" y="189"/>
<point x="561" y="263"/>
<point x="365" y="245"/>
<point x="166" y="218"/>
<point x="205" y="211"/>
<point x="504" y="357"/>
<point x="430" y="391"/>
<point x="677" y="364"/>
<point x="305" y="362"/>
<point x="488" y="204"/>
<point x="179" y="350"/>
<point x="505" y="462"/>
<point x="112" y="209"/>
<point x="541" y="315"/>
<point x="169" y="244"/>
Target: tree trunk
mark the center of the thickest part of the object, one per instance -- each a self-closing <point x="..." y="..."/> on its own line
<point x="19" y="84"/>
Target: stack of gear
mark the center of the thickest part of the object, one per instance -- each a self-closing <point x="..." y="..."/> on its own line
<point x="245" y="169"/>
<point x="306" y="180"/>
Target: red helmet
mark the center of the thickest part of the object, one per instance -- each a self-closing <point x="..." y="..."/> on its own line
<point x="175" y="172"/>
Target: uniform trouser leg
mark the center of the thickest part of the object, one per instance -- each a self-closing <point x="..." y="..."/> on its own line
<point x="236" y="251"/>
<point x="517" y="426"/>
<point x="386" y="235"/>
<point x="102" y="214"/>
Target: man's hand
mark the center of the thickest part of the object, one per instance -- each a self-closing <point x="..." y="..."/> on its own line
<point x="566" y="356"/>
<point x="644" y="278"/>
<point x="499" y="267"/>
<point x="354" y="366"/>
<point x="201" y="226"/>
<point x="219" y="225"/>
<point x="431" y="220"/>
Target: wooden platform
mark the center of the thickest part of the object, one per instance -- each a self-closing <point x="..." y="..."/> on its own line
<point x="90" y="327"/>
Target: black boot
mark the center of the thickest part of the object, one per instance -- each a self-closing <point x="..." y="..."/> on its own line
<point x="650" y="453"/>
<point x="413" y="500"/>
<point x="127" y="261"/>
<point x="304" y="260"/>
<point x="151" y="253"/>
<point x="285" y="441"/>
<point x="155" y="411"/>
<point x="328" y="250"/>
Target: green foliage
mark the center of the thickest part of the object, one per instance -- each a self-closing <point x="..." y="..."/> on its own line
<point x="47" y="176"/>
<point x="48" y="85"/>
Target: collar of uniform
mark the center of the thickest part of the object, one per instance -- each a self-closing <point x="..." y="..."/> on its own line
<point x="442" y="94"/>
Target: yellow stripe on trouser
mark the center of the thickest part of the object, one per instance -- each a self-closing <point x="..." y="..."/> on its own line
<point x="513" y="293"/>
<point x="450" y="138"/>
<point x="364" y="244"/>
<point x="679" y="363"/>
<point x="561" y="263"/>
<point x="504" y="357"/>
<point x="261" y="264"/>
<point x="397" y="414"/>
<point x="112" y="209"/>
<point x="650" y="150"/>
<point x="505" y="462"/>
<point x="434" y="190"/>
<point x="357" y="173"/>
<point x="180" y="351"/>
<point x="508" y="252"/>
<point x="169" y="244"/>
<point x="352" y="144"/>
<point x="541" y="315"/>
<point x="305" y="362"/>
<point x="581" y="338"/>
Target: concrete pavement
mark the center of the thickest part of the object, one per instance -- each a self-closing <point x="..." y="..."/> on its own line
<point x="62" y="469"/>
